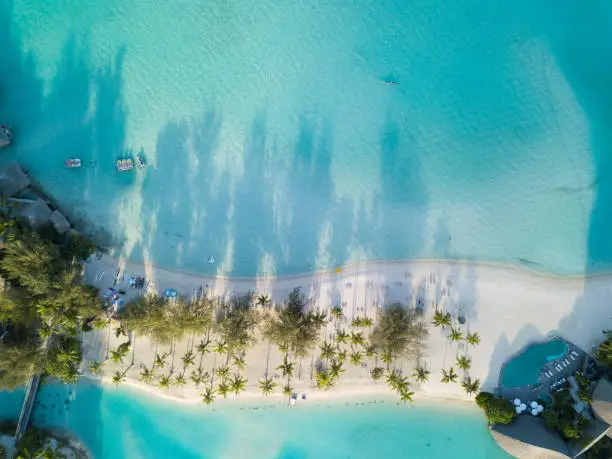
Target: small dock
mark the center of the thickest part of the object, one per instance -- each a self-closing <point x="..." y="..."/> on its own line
<point x="28" y="406"/>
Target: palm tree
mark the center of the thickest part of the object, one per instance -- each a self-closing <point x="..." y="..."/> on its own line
<point x="179" y="380"/>
<point x="198" y="376"/>
<point x="441" y="319"/>
<point x="341" y="336"/>
<point x="95" y="367"/>
<point x="473" y="339"/>
<point x="238" y="384"/>
<point x="327" y="351"/>
<point x="208" y="396"/>
<point x="164" y="381"/>
<point x="362" y="322"/>
<point x="387" y="358"/>
<point x="324" y="380"/>
<point x="117" y="355"/>
<point x="377" y="373"/>
<point x="118" y="378"/>
<point x="120" y="330"/>
<point x="267" y="386"/>
<point x="262" y="300"/>
<point x="239" y="362"/>
<point x="455" y="334"/>
<point x="147" y="375"/>
<point x="223" y="389"/>
<point x="370" y="350"/>
<point x="188" y="359"/>
<point x="221" y="347"/>
<point x="335" y="369"/>
<point x="449" y="376"/>
<point x="286" y="368"/>
<point x="421" y="374"/>
<point x="470" y="385"/>
<point x="336" y="312"/>
<point x="342" y="355"/>
<point x="223" y="372"/>
<point x="287" y="390"/>
<point x="160" y="360"/>
<point x="464" y="362"/>
<point x="357" y="338"/>
<point x="406" y="396"/>
<point x="356" y="358"/>
<point x="397" y="382"/>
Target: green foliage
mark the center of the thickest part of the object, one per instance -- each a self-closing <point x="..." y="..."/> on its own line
<point x="455" y="334"/>
<point x="441" y="319"/>
<point x="483" y="399"/>
<point x="287" y="367"/>
<point x="342" y="336"/>
<point x="95" y="367"/>
<point x="188" y="359"/>
<point x="335" y="369"/>
<point x="208" y="396"/>
<point x="263" y="300"/>
<point x="267" y="386"/>
<point x="324" y="380"/>
<point x="561" y="416"/>
<point x="464" y="362"/>
<point x="399" y="332"/>
<point x="223" y="389"/>
<point x="421" y="374"/>
<point x="237" y="325"/>
<point x="294" y="328"/>
<point x="160" y="360"/>
<point x="238" y="384"/>
<point x="147" y="375"/>
<point x="223" y="372"/>
<point x="164" y="320"/>
<point x="63" y="358"/>
<point x="362" y="322"/>
<point x="179" y="380"/>
<point x="473" y="339"/>
<point x="357" y="339"/>
<point x="118" y="378"/>
<point x="164" y="381"/>
<point x="198" y="376"/>
<point x="239" y="361"/>
<point x="287" y="390"/>
<point x="604" y="353"/>
<point x="356" y="358"/>
<point x="397" y="382"/>
<point x="328" y="351"/>
<point x="449" y="376"/>
<point x="406" y="396"/>
<point x="117" y="355"/>
<point x="377" y="373"/>
<point x="498" y="410"/>
<point x="79" y="248"/>
<point x="471" y="386"/>
<point x="18" y="362"/>
<point x="336" y="312"/>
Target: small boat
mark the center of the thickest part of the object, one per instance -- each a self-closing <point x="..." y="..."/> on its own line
<point x="390" y="83"/>
<point x="72" y="163"/>
<point x="125" y="164"/>
<point x="5" y="136"/>
<point x="140" y="161"/>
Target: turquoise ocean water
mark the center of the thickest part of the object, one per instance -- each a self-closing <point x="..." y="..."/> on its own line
<point x="274" y="146"/>
<point x="122" y="423"/>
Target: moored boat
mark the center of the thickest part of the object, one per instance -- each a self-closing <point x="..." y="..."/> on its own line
<point x="125" y="164"/>
<point x="140" y="161"/>
<point x="72" y="163"/>
<point x="6" y="136"/>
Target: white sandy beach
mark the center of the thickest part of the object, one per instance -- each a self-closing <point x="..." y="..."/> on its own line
<point x="507" y="306"/>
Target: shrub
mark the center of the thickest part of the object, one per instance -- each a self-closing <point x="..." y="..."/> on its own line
<point x="497" y="409"/>
<point x="482" y="399"/>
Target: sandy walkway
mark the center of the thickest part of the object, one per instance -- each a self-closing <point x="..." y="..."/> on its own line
<point x="508" y="307"/>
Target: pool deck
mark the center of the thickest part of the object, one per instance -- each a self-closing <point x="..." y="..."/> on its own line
<point x="562" y="367"/>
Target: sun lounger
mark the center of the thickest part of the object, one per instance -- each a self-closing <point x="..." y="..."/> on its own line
<point x="575" y="353"/>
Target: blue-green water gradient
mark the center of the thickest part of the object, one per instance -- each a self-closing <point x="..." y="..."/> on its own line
<point x="123" y="423"/>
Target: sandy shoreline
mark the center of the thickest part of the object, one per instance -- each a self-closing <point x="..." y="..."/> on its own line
<point x="509" y="307"/>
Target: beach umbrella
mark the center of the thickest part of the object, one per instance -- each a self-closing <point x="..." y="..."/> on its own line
<point x="517" y="402"/>
<point x="534" y="412"/>
<point x="170" y="293"/>
<point x="534" y="404"/>
<point x="518" y="410"/>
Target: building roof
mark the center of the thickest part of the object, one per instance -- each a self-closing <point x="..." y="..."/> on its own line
<point x="529" y="438"/>
<point x="59" y="222"/>
<point x="36" y="214"/>
<point x="12" y="180"/>
<point x="602" y="400"/>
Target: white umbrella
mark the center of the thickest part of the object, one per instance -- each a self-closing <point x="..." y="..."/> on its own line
<point x="518" y="410"/>
<point x="534" y="412"/>
<point x="534" y="404"/>
<point x="517" y="402"/>
<point x="523" y="406"/>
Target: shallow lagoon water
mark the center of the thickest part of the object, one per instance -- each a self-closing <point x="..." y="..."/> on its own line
<point x="274" y="146"/>
<point x="121" y="422"/>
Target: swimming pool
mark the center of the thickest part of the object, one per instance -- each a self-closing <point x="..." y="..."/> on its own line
<point x="524" y="369"/>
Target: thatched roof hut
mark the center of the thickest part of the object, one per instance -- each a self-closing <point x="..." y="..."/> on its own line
<point x="59" y="222"/>
<point x="602" y="400"/>
<point x="13" y="180"/>
<point x="36" y="214"/>
<point x="529" y="438"/>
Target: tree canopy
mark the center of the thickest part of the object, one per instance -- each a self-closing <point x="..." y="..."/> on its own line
<point x="399" y="332"/>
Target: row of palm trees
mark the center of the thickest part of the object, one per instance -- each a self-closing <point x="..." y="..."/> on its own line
<point x="444" y="321"/>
